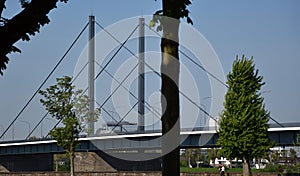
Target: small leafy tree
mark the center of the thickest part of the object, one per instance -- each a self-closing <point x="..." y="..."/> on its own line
<point x="243" y="131"/>
<point x="71" y="107"/>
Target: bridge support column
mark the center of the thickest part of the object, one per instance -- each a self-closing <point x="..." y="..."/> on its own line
<point x="91" y="75"/>
<point x="141" y="78"/>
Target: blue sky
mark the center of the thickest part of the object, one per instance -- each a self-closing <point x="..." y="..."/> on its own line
<point x="267" y="30"/>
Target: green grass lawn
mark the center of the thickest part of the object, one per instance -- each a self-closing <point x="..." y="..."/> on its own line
<point x="216" y="170"/>
<point x="273" y="169"/>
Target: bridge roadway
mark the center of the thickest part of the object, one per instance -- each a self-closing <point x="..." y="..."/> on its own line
<point x="193" y="138"/>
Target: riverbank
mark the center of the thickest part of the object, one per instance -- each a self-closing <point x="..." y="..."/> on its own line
<point x="123" y="174"/>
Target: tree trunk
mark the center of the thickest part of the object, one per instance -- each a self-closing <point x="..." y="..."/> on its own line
<point x="72" y="156"/>
<point x="170" y="99"/>
<point x="56" y="166"/>
<point x="246" y="167"/>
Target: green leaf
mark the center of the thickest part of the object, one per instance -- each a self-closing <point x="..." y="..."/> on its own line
<point x="65" y="103"/>
<point x="152" y="24"/>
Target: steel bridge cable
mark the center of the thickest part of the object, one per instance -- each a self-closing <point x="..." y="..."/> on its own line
<point x="35" y="127"/>
<point x="181" y="53"/>
<point x="106" y="112"/>
<point x="205" y="70"/>
<point x="199" y="107"/>
<point x="115" y="90"/>
<point x="49" y="75"/>
<point x="198" y="65"/>
<point x="79" y="73"/>
<point x="104" y="67"/>
<point x="110" y="115"/>
<point x="120" y="84"/>
<point x="117" y="51"/>
<point x="151" y="67"/>
<point x="54" y="127"/>
<point x="125" y="116"/>
<point x="218" y="79"/>
<point x="110" y="58"/>
<point x="158" y="74"/>
<point x="276" y="121"/>
<point x="101" y="105"/>
<point x="131" y="52"/>
<point x="48" y="112"/>
<point x="156" y="71"/>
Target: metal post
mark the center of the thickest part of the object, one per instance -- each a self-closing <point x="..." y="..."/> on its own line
<point x="91" y="75"/>
<point x="141" y="78"/>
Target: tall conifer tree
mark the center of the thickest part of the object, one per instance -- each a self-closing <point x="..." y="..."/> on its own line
<point x="243" y="131"/>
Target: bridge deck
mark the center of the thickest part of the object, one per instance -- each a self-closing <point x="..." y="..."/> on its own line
<point x="281" y="136"/>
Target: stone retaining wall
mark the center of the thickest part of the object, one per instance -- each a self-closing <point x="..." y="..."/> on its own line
<point x="123" y="174"/>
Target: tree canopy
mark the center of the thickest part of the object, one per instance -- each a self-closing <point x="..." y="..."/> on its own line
<point x="33" y="16"/>
<point x="243" y="123"/>
<point x="64" y="103"/>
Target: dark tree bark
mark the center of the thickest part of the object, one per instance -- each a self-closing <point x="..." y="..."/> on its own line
<point x="170" y="100"/>
<point x="2" y="6"/>
<point x="27" y="22"/>
<point x="170" y="89"/>
<point x="169" y="18"/>
<point x="246" y="167"/>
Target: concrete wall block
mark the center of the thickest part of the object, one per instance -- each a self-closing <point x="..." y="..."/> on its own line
<point x="91" y="162"/>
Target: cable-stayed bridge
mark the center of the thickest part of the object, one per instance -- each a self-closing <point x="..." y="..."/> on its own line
<point x="126" y="144"/>
<point x="136" y="95"/>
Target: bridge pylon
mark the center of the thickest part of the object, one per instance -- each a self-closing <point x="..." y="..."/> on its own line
<point x="91" y="72"/>
<point x="141" y="77"/>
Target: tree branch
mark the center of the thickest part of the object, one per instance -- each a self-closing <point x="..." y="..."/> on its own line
<point x="26" y="23"/>
<point x="2" y="6"/>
